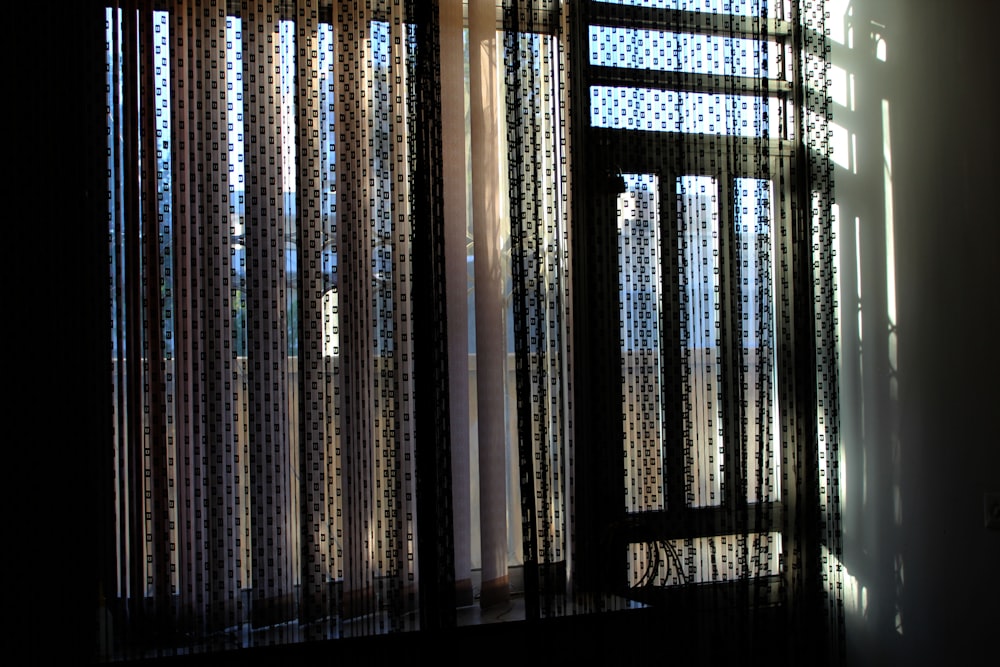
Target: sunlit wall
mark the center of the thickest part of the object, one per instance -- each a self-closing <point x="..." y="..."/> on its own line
<point x="914" y="149"/>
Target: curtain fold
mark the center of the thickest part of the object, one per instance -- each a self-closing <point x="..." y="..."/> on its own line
<point x="305" y="377"/>
<point x="537" y="203"/>
<point x="261" y="244"/>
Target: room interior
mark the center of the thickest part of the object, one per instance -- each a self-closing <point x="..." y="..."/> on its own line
<point x="914" y="139"/>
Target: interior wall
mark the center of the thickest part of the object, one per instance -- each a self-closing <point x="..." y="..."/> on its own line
<point x="916" y="147"/>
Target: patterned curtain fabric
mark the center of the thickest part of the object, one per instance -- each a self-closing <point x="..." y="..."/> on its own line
<point x="423" y="308"/>
<point x="705" y="373"/>
<point x="264" y="371"/>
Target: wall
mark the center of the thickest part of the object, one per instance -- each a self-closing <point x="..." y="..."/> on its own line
<point x="915" y="144"/>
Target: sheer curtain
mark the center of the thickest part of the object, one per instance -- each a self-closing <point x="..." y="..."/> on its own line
<point x="417" y="308"/>
<point x="274" y="246"/>
<point x="703" y="238"/>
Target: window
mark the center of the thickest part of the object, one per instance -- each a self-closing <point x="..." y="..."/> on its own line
<point x="693" y="213"/>
<point x="314" y="439"/>
<point x="272" y="442"/>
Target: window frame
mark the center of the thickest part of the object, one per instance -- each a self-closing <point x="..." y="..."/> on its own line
<point x="602" y="531"/>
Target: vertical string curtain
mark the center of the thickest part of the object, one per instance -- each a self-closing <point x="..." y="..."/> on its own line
<point x="270" y="165"/>
<point x="285" y="365"/>
<point x="708" y="257"/>
<point x="537" y="194"/>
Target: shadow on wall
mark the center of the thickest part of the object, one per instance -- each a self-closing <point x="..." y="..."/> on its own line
<point x="871" y="451"/>
<point x="915" y="139"/>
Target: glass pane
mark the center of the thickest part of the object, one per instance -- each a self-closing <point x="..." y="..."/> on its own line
<point x="703" y="559"/>
<point x="237" y="178"/>
<point x="753" y="215"/>
<point x="629" y="108"/>
<point x="328" y="195"/>
<point x="698" y="260"/>
<point x="682" y="52"/>
<point x="640" y="292"/>
<point x="769" y="8"/>
<point x="289" y="170"/>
